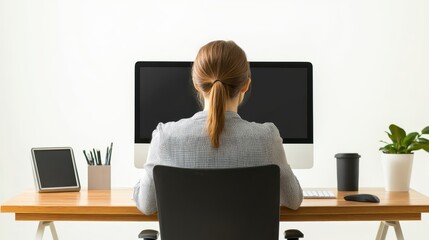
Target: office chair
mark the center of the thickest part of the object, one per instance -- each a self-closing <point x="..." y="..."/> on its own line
<point x="208" y="204"/>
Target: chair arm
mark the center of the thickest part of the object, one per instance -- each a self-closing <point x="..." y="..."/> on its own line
<point x="149" y="234"/>
<point x="293" y="234"/>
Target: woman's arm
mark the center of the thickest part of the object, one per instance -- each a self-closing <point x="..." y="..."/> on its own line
<point x="144" y="190"/>
<point x="290" y="189"/>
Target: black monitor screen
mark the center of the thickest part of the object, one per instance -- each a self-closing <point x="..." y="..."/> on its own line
<point x="281" y="92"/>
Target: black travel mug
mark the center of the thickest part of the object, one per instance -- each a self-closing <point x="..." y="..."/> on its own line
<point x="347" y="171"/>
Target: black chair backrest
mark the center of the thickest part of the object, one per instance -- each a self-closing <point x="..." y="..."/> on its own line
<point x="206" y="204"/>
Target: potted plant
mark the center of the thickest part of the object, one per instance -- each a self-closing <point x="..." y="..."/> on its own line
<point x="397" y="156"/>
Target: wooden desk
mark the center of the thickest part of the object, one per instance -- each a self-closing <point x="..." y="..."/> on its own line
<point x="117" y="205"/>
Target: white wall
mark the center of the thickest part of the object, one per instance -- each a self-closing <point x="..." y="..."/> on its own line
<point x="66" y="79"/>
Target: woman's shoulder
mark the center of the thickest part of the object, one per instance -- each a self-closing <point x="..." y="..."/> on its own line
<point x="266" y="129"/>
<point x="179" y="125"/>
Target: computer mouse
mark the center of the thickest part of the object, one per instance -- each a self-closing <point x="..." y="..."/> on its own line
<point x="363" y="197"/>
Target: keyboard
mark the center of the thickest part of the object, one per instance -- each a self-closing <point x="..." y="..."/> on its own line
<point x="318" y="194"/>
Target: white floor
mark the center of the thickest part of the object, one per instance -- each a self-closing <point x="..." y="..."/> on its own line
<point x="11" y="230"/>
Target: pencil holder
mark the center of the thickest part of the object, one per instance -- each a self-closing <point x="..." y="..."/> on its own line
<point x="99" y="177"/>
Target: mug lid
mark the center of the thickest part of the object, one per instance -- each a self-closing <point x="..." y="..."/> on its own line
<point x="347" y="155"/>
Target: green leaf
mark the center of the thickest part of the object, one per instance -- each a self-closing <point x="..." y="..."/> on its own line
<point x="402" y="149"/>
<point x="415" y="147"/>
<point x="425" y="130"/>
<point x="389" y="148"/>
<point x="410" y="138"/>
<point x="391" y="137"/>
<point x="397" y="133"/>
<point x="418" y="146"/>
<point x="426" y="147"/>
<point x="403" y="142"/>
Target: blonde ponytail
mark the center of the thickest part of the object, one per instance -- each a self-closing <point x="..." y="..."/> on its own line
<point x="216" y="112"/>
<point x="220" y="71"/>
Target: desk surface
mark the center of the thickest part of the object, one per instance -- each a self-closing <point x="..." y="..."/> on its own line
<point x="117" y="205"/>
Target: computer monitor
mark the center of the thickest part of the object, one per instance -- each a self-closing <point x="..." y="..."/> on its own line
<point x="281" y="92"/>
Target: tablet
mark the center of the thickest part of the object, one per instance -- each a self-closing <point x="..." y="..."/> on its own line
<point x="55" y="169"/>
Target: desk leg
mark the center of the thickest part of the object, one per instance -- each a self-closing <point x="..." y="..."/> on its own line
<point x="384" y="226"/>
<point x="41" y="230"/>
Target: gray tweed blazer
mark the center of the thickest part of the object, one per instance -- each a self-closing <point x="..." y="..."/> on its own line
<point x="185" y="143"/>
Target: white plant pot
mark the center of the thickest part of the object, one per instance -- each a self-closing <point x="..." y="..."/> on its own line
<point x="397" y="171"/>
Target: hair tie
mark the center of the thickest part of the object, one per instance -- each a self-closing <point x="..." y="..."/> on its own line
<point x="217" y="80"/>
